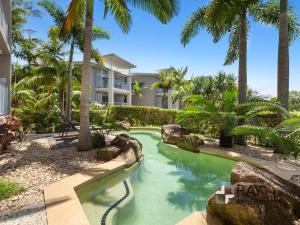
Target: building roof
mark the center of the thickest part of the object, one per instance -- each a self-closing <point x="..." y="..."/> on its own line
<point x="117" y="61"/>
<point x="144" y="74"/>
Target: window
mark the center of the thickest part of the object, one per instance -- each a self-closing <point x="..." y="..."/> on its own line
<point x="3" y="97"/>
<point x="104" y="98"/>
<point x="125" y="98"/>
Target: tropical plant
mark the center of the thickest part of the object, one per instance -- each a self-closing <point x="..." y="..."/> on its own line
<point x="138" y="88"/>
<point x="226" y="114"/>
<point x="75" y="40"/>
<point x="21" y="10"/>
<point x="181" y="87"/>
<point x="219" y="19"/>
<point x="164" y="10"/>
<point x="213" y="87"/>
<point x="294" y="101"/>
<point x="285" y="136"/>
<point x="165" y="84"/>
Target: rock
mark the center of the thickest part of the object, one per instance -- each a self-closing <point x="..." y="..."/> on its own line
<point x="259" y="198"/>
<point x="125" y="125"/>
<point x="177" y="135"/>
<point x="131" y="149"/>
<point x="108" y="153"/>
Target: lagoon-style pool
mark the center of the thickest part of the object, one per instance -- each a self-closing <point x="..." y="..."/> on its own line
<point x="167" y="186"/>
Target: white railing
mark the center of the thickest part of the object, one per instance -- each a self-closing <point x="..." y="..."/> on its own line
<point x="121" y="85"/>
<point x="3" y="23"/>
<point x="3" y="97"/>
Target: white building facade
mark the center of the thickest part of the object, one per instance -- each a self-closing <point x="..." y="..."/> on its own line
<point x="111" y="83"/>
<point x="5" y="56"/>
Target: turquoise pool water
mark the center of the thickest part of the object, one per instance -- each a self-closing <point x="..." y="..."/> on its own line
<point x="167" y="186"/>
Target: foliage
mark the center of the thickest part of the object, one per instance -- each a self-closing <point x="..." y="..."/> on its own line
<point x="294" y="101"/>
<point x="98" y="139"/>
<point x="220" y="19"/>
<point x="283" y="143"/>
<point x="97" y="117"/>
<point x="137" y="88"/>
<point x="9" y="188"/>
<point x="140" y="115"/>
<point x="225" y="114"/>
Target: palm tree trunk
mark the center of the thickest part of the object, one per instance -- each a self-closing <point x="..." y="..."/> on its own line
<point x="242" y="87"/>
<point x="69" y="81"/>
<point x="283" y="57"/>
<point x="243" y="59"/>
<point x="85" y="142"/>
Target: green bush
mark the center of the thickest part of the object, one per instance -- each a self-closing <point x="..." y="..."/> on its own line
<point x="142" y="116"/>
<point x="98" y="139"/>
<point x="9" y="188"/>
<point x="39" y="121"/>
<point x="97" y="117"/>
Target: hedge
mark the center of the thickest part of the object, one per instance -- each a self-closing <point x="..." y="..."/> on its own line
<point x="97" y="117"/>
<point x="141" y="115"/>
<point x="136" y="115"/>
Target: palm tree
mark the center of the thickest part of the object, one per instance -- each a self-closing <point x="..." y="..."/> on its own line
<point x="180" y="85"/>
<point x="219" y="19"/>
<point x="283" y="56"/>
<point x="75" y="39"/>
<point x="165" y="84"/>
<point x="137" y="88"/>
<point x="164" y="10"/>
<point x="225" y="114"/>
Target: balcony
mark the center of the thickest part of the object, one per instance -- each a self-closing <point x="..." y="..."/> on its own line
<point x="121" y="85"/>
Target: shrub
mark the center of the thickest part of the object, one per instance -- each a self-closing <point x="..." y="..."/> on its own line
<point x="140" y="115"/>
<point x="8" y="188"/>
<point x="97" y="117"/>
<point x="98" y="139"/>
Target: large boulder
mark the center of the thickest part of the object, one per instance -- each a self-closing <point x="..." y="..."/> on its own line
<point x="259" y="197"/>
<point x="108" y="153"/>
<point x="177" y="135"/>
<point x="131" y="149"/>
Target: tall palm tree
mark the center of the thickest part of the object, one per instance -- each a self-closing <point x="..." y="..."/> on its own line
<point x="165" y="84"/>
<point x="219" y="19"/>
<point x="283" y="56"/>
<point x="75" y="39"/>
<point x="164" y="10"/>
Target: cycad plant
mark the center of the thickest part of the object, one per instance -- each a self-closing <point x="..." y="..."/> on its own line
<point x="226" y="114"/>
<point x="164" y="10"/>
<point x="285" y="136"/>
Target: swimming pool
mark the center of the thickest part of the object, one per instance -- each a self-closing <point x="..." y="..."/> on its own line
<point x="167" y="186"/>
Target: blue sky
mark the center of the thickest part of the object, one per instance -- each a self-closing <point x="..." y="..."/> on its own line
<point x="152" y="46"/>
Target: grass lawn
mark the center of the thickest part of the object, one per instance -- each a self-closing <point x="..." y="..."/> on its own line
<point x="9" y="188"/>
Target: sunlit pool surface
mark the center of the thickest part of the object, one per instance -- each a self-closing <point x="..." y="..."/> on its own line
<point x="167" y="186"/>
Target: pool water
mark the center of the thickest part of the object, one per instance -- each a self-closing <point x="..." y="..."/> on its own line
<point x="167" y="186"/>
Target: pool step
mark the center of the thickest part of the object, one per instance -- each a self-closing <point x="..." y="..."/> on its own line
<point x="200" y="218"/>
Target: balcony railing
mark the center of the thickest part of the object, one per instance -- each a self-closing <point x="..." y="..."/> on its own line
<point x="121" y="85"/>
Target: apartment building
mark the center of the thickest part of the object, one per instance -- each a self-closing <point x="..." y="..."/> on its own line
<point x="111" y="83"/>
<point x="5" y="56"/>
<point x="150" y="96"/>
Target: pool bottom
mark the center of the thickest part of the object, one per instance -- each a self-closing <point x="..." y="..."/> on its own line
<point x="168" y="185"/>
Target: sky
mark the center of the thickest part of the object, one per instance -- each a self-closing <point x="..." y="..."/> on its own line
<point x="151" y="46"/>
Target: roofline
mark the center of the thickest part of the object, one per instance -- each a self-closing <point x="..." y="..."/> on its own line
<point x="114" y="55"/>
<point x="145" y="74"/>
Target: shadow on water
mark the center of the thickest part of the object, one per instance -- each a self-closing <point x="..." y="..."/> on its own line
<point x="198" y="175"/>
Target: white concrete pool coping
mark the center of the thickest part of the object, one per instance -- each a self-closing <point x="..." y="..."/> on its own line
<point x="63" y="206"/>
